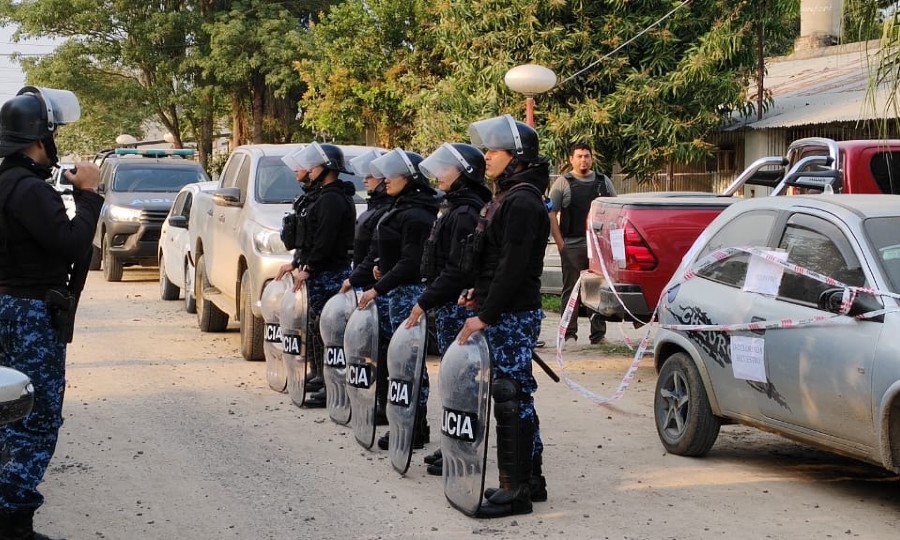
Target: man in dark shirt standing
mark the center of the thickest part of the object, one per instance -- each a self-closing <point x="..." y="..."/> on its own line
<point x="571" y="197"/>
<point x="38" y="247"/>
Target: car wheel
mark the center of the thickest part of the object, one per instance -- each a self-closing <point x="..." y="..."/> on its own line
<point x="684" y="419"/>
<point x="112" y="267"/>
<point x="167" y="289"/>
<point x="252" y="327"/>
<point x="209" y="317"/>
<point x="190" y="301"/>
<point x="96" y="258"/>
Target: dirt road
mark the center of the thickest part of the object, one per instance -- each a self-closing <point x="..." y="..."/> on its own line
<point x="169" y="434"/>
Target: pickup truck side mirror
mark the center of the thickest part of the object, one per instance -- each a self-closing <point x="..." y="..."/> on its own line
<point x="178" y="222"/>
<point x="830" y="300"/>
<point x="230" y="196"/>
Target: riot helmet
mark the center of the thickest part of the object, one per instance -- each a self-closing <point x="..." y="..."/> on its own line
<point x="399" y="162"/>
<point x="505" y="133"/>
<point x="314" y="154"/>
<point x="361" y="164"/>
<point x="462" y="158"/>
<point x="33" y="115"/>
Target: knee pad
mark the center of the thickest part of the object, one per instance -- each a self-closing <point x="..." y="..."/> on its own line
<point x="506" y="396"/>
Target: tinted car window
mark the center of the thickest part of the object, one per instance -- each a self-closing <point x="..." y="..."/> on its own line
<point x="884" y="234"/>
<point x="276" y="182"/>
<point x="746" y="230"/>
<point x="885" y="167"/>
<point x="158" y="179"/>
<point x="817" y="245"/>
<point x="230" y="173"/>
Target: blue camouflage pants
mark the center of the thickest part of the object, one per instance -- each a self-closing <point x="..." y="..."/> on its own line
<point x="319" y="290"/>
<point x="29" y="344"/>
<point x="448" y="321"/>
<point x="512" y="340"/>
<point x="400" y="302"/>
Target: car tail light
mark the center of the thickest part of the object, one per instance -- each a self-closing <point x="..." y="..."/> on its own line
<point x="638" y="255"/>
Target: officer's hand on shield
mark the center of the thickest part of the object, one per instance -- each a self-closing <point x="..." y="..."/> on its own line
<point x="376" y="272"/>
<point x="346" y="286"/>
<point x="367" y="298"/>
<point x="414" y="316"/>
<point x="85" y="178"/>
<point x="467" y="299"/>
<point x="300" y="276"/>
<point x="284" y="269"/>
<point x="472" y="325"/>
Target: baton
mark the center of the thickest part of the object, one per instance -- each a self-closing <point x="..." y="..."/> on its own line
<point x="540" y="361"/>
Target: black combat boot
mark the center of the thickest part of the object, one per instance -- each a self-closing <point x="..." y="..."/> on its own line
<point x="315" y="400"/>
<point x="19" y="525"/>
<point x="432" y="457"/>
<point x="515" y="445"/>
<point x="537" y="483"/>
<point x="435" y="463"/>
<point x="421" y="432"/>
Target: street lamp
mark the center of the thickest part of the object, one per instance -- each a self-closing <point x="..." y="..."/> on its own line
<point x="125" y="140"/>
<point x="530" y="80"/>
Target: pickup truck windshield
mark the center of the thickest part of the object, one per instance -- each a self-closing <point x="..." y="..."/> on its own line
<point x="156" y="179"/>
<point x="277" y="184"/>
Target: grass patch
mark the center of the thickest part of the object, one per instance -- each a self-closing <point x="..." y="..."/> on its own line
<point x="551" y="302"/>
<point x="614" y="349"/>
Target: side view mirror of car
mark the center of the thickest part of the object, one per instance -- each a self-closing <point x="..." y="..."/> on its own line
<point x="16" y="395"/>
<point x="179" y="222"/>
<point x="230" y="196"/>
<point x="830" y="300"/>
<point x="101" y="188"/>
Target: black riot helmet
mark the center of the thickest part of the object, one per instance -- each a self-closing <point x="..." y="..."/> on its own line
<point x="451" y="158"/>
<point x="505" y="133"/>
<point x="33" y="115"/>
<point x="335" y="158"/>
<point x="314" y="154"/>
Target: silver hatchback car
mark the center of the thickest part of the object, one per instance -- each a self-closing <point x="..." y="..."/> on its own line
<point x="835" y="385"/>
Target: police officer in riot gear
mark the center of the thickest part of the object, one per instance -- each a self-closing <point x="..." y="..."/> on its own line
<point x="397" y="247"/>
<point x="506" y="257"/>
<point x="40" y="248"/>
<point x="323" y="222"/>
<point x="458" y="170"/>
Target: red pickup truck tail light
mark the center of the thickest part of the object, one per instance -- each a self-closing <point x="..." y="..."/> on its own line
<point x="638" y="255"/>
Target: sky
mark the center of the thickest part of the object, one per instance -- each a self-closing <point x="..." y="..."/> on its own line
<point x="11" y="76"/>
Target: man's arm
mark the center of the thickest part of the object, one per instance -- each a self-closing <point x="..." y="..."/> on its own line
<point x="555" y="231"/>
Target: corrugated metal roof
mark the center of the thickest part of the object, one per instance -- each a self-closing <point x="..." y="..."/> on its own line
<point x="821" y="86"/>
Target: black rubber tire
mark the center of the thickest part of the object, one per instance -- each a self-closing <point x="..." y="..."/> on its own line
<point x="252" y="327"/>
<point x="209" y="317"/>
<point x="167" y="289"/>
<point x="684" y="420"/>
<point x="112" y="267"/>
<point x="190" y="301"/>
<point x="96" y="258"/>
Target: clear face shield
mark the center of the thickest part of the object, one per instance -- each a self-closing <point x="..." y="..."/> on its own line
<point x="393" y="164"/>
<point x="361" y="164"/>
<point x="498" y="133"/>
<point x="307" y="158"/>
<point x="445" y="163"/>
<point x="62" y="105"/>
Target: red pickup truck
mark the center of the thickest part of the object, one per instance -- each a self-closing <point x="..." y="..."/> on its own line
<point x="643" y="237"/>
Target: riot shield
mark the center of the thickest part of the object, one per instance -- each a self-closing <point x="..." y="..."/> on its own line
<point x="294" y="321"/>
<point x="465" y="381"/>
<point x="361" y="353"/>
<point x="332" y="323"/>
<point x="405" y="361"/>
<point x="270" y="304"/>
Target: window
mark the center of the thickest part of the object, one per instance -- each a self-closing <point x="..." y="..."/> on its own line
<point x="276" y="183"/>
<point x="229" y="174"/>
<point x="885" y="167"/>
<point x="817" y="245"/>
<point x="884" y="233"/>
<point x="178" y="205"/>
<point x="149" y="179"/>
<point x="243" y="179"/>
<point x="747" y="230"/>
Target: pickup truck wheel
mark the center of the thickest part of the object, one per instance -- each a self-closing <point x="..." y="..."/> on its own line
<point x="190" y="301"/>
<point x="167" y="289"/>
<point x="684" y="420"/>
<point x="252" y="327"/>
<point x="209" y="317"/>
<point x="96" y="258"/>
<point x="112" y="267"/>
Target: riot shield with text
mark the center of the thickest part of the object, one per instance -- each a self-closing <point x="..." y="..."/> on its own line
<point x="294" y="321"/>
<point x="465" y="381"/>
<point x="405" y="361"/>
<point x="270" y="304"/>
<point x="332" y="324"/>
<point x="361" y="353"/>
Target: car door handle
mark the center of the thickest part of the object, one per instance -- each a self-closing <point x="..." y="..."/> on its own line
<point x="761" y="331"/>
<point x="209" y="212"/>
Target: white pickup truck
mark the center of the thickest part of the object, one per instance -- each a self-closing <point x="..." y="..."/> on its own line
<point x="235" y="237"/>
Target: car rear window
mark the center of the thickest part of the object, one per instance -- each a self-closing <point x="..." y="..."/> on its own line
<point x="276" y="183"/>
<point x="156" y="179"/>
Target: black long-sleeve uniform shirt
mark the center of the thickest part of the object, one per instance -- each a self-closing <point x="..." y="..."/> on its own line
<point x="41" y="242"/>
<point x="330" y="219"/>
<point x="379" y="202"/>
<point x="398" y="243"/>
<point x="452" y="228"/>
<point x="509" y="277"/>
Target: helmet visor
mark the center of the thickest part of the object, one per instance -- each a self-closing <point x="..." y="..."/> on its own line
<point x="309" y="157"/>
<point x="498" y="133"/>
<point x="444" y="162"/>
<point x="361" y="164"/>
<point x="394" y="163"/>
<point x="62" y="105"/>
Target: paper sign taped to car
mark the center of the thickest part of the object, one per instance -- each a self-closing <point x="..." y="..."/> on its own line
<point x="617" y="241"/>
<point x="764" y="277"/>
<point x="748" y="358"/>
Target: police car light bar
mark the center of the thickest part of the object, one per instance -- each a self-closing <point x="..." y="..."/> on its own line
<point x="155" y="152"/>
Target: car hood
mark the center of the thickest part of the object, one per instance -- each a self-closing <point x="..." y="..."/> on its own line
<point x="146" y="200"/>
<point x="271" y="215"/>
